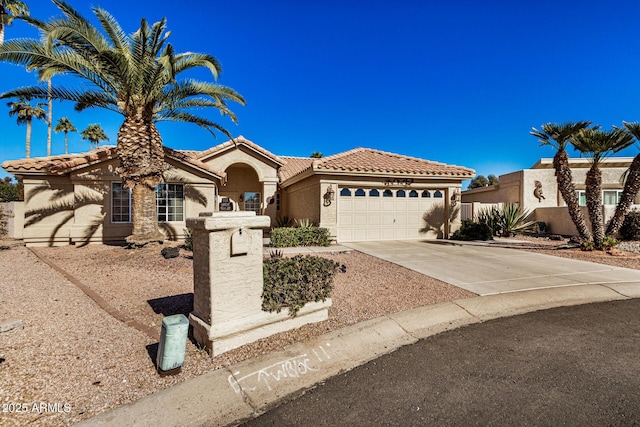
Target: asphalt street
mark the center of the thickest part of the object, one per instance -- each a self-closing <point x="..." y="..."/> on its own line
<point x="576" y="365"/>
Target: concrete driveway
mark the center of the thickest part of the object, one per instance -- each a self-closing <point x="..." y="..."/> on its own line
<point x="486" y="270"/>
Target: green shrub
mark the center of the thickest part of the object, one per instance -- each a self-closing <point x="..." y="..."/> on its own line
<point x="473" y="231"/>
<point x="10" y="192"/>
<point x="608" y="243"/>
<point x="293" y="282"/>
<point x="630" y="229"/>
<point x="285" y="237"/>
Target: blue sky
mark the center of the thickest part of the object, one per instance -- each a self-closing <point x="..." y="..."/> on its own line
<point x="458" y="82"/>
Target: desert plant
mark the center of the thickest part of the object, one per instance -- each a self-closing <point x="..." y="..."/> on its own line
<point x="512" y="219"/>
<point x="276" y="254"/>
<point x="304" y="223"/>
<point x="490" y="217"/>
<point x="283" y="221"/>
<point x="137" y="74"/>
<point x="293" y="282"/>
<point x="587" y="245"/>
<point x="609" y="243"/>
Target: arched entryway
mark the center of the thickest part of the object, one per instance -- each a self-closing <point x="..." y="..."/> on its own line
<point x="243" y="188"/>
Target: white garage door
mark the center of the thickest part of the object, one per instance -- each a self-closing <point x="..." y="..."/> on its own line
<point x="388" y="214"/>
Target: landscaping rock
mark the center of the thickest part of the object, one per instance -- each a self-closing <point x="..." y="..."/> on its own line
<point x="170" y="252"/>
<point x="7" y="325"/>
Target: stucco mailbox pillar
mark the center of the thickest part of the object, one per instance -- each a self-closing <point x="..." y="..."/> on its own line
<point x="228" y="282"/>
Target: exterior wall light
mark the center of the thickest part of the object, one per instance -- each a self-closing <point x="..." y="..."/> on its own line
<point x="329" y="196"/>
<point x="456" y="197"/>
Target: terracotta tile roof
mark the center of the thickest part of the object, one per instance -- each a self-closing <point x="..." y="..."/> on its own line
<point x="367" y="160"/>
<point x="293" y="166"/>
<point x="240" y="140"/>
<point x="65" y="163"/>
<point x="59" y="164"/>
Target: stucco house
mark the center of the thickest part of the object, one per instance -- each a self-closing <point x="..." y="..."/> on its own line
<point x="536" y="190"/>
<point x="361" y="194"/>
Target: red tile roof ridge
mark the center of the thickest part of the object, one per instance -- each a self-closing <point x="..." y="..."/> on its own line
<point x="234" y="142"/>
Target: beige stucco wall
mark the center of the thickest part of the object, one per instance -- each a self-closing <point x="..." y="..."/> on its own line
<point x="76" y="208"/>
<point x="304" y="199"/>
<point x="301" y="200"/>
<point x="250" y="171"/>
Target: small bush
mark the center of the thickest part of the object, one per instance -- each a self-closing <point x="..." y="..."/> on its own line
<point x="587" y="245"/>
<point x="608" y="243"/>
<point x="293" y="282"/>
<point x="473" y="231"/>
<point x="630" y="229"/>
<point x="285" y="237"/>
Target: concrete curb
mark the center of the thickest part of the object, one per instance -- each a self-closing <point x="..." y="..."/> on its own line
<point x="249" y="388"/>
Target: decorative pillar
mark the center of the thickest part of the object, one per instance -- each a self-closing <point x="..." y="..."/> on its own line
<point x="228" y="282"/>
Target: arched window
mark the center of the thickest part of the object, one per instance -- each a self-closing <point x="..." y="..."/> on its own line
<point x="387" y="193"/>
<point x="437" y="194"/>
<point x="426" y="193"/>
<point x="413" y="193"/>
<point x="374" y="193"/>
<point x="401" y="193"/>
<point x="345" y="192"/>
<point x="360" y="192"/>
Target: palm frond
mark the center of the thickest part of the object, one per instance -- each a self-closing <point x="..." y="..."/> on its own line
<point x="182" y="116"/>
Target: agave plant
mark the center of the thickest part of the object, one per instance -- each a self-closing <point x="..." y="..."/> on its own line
<point x="512" y="219"/>
<point x="506" y="220"/>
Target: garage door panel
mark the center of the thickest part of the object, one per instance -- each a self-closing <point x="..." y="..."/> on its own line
<point x="360" y="205"/>
<point x="385" y="218"/>
<point x="360" y="220"/>
<point x="375" y="218"/>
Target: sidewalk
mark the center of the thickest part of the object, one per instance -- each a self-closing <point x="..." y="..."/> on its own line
<point x="247" y="389"/>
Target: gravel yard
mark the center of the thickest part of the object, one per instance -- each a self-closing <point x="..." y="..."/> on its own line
<point x="73" y="360"/>
<point x="79" y="361"/>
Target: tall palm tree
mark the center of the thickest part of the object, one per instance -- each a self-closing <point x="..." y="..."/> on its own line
<point x="94" y="134"/>
<point x="135" y="75"/>
<point x="631" y="186"/>
<point x="9" y="9"/>
<point x="558" y="136"/>
<point x="65" y="125"/>
<point x="26" y="113"/>
<point x="598" y="145"/>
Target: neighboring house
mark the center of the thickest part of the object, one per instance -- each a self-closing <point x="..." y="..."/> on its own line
<point x="536" y="190"/>
<point x="361" y="194"/>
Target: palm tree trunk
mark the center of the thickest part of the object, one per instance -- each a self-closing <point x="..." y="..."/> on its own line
<point x="141" y="157"/>
<point x="66" y="142"/>
<point x="28" y="139"/>
<point x="594" y="203"/>
<point x="568" y="192"/>
<point x="1" y="31"/>
<point x="631" y="188"/>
